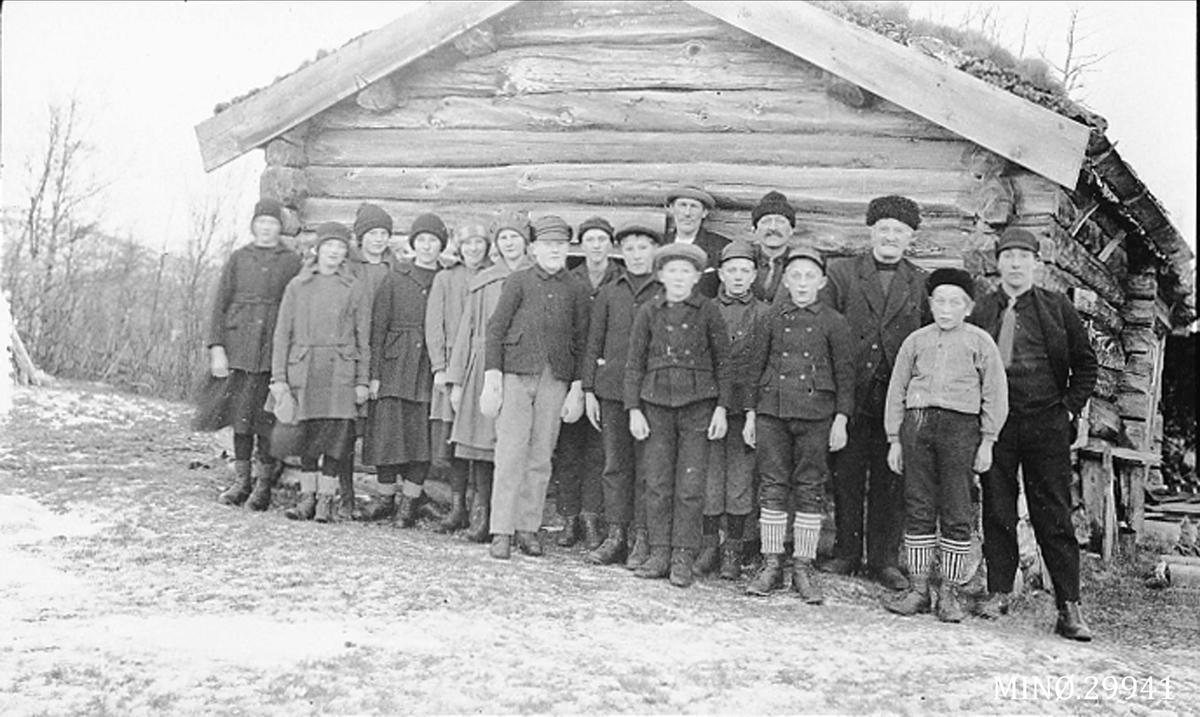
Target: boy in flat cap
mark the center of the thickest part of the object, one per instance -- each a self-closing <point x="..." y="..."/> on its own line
<point x="774" y="222"/>
<point x="882" y="295"/>
<point x="240" y="333"/>
<point x="729" y="488"/>
<point x="946" y="402"/>
<point x="677" y="390"/>
<point x="397" y="438"/>
<point x="689" y="206"/>
<point x="803" y="398"/>
<point x="321" y="359"/>
<point x="603" y="384"/>
<point x="1051" y="369"/>
<point x="533" y="360"/>
<point x="578" y="464"/>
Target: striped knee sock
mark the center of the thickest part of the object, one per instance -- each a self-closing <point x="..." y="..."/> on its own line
<point x="954" y="560"/>
<point x="919" y="550"/>
<point x="774" y="526"/>
<point x="806" y="531"/>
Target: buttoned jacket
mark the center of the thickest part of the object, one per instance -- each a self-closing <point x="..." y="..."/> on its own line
<point x="678" y="354"/>
<point x="804" y="366"/>
<point x="246" y="305"/>
<point x="399" y="359"/>
<point x="608" y="335"/>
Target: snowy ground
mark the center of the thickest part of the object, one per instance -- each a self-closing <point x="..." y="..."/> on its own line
<point x="126" y="589"/>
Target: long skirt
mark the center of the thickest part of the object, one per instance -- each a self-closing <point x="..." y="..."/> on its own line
<point x="397" y="431"/>
<point x="235" y="401"/>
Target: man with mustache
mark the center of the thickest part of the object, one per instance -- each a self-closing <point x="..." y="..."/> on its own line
<point x="773" y="220"/>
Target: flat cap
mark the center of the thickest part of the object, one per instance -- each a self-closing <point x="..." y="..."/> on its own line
<point x="690" y="191"/>
<point x="635" y="227"/>
<point x="955" y="277"/>
<point x="805" y="252"/>
<point x="594" y="223"/>
<point x="739" y="250"/>
<point x="551" y="228"/>
<point x="676" y="250"/>
<point x="1018" y="238"/>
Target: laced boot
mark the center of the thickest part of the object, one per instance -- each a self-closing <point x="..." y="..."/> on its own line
<point x="593" y="534"/>
<point x="326" y="490"/>
<point x="949" y="608"/>
<point x="681" y="567"/>
<point x="639" y="552"/>
<point x="658" y="565"/>
<point x="709" y="557"/>
<point x="530" y="542"/>
<point x="804" y="583"/>
<point x="915" y="600"/>
<point x="731" y="560"/>
<point x="612" y="550"/>
<point x="237" y="493"/>
<point x="1070" y="623"/>
<point x="406" y="512"/>
<point x="456" y="519"/>
<point x="770" y="576"/>
<point x="570" y="532"/>
<point x="264" y="482"/>
<point x="481" y="508"/>
<point x="307" y="504"/>
<point x="501" y="548"/>
<point x="347" y="505"/>
<point x="384" y="506"/>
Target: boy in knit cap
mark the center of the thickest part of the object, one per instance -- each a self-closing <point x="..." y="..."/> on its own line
<point x="533" y="359"/>
<point x="946" y="403"/>
<point x="730" y="482"/>
<point x="803" y="398"/>
<point x="677" y="390"/>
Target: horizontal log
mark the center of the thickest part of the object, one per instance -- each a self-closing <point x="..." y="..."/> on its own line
<point x="1134" y="406"/>
<point x="633" y="23"/>
<point x="1139" y="340"/>
<point x="823" y="190"/>
<point x="1134" y="383"/>
<point x="286" y="184"/>
<point x="939" y="241"/>
<point x="1139" y="312"/>
<point x="1071" y="256"/>
<point x="1104" y="421"/>
<point x="288" y="149"/>
<point x="1143" y="285"/>
<point x="626" y="110"/>
<point x="1140" y="364"/>
<point x="490" y="148"/>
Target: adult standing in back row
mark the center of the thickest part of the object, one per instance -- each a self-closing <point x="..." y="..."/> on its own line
<point x="689" y="207"/>
<point x="882" y="295"/>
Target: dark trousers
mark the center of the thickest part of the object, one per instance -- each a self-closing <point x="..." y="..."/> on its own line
<point x="673" y="462"/>
<point x="729" y="486"/>
<point x="1040" y="446"/>
<point x="860" y="471"/>
<point x="939" y="453"/>
<point x="577" y="469"/>
<point x="624" y="485"/>
<point x="793" y="463"/>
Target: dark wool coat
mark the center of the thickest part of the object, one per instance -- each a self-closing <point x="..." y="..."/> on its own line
<point x="748" y="323"/>
<point x="712" y="243"/>
<point x="608" y="336"/>
<point x="1071" y="355"/>
<point x="246" y="306"/>
<point x="322" y="342"/>
<point x="399" y="360"/>
<point x="878" y="324"/>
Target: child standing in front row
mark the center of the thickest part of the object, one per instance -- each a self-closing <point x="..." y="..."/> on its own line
<point x="802" y="401"/>
<point x="946" y="403"/>
<point x="677" y="388"/>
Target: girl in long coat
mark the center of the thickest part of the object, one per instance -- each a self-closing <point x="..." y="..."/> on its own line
<point x="467" y="256"/>
<point x="239" y="339"/>
<point x="321" y="357"/>
<point x="396" y="440"/>
<point x="473" y="434"/>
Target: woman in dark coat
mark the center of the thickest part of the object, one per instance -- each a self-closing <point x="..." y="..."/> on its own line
<point x="239" y="343"/>
<point x="321" y="359"/>
<point x="397" y="436"/>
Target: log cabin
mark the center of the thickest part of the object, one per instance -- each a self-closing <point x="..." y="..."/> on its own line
<point x="581" y="108"/>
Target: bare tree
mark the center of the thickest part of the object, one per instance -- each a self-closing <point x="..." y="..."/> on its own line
<point x="1077" y="61"/>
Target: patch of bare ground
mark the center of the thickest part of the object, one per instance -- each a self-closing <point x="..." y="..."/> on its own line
<point x="126" y="589"/>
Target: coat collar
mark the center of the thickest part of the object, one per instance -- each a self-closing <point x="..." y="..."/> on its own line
<point x="727" y="300"/>
<point x="344" y="273"/>
<point x="695" y="299"/>
<point x="787" y="306"/>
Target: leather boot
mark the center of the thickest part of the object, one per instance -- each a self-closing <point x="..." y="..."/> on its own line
<point x="406" y="512"/>
<point x="994" y="607"/>
<point x="915" y="600"/>
<point x="770" y="576"/>
<point x="731" y="560"/>
<point x="382" y="508"/>
<point x="307" y="503"/>
<point x="612" y="550"/>
<point x="480" y="529"/>
<point x="593" y="534"/>
<point x="639" y="552"/>
<point x="530" y="543"/>
<point x="347" y="505"/>
<point x="658" y="565"/>
<point x="456" y="519"/>
<point x="264" y="481"/>
<point x="709" y="557"/>
<point x="570" y="532"/>
<point x="949" y="609"/>
<point x="1071" y="625"/>
<point x="323" y="512"/>
<point x="681" y="567"/>
<point x="501" y="548"/>
<point x="804" y="582"/>
<point x="237" y="493"/>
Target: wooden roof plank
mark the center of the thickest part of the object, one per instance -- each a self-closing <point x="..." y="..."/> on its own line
<point x="1028" y="134"/>
<point x="297" y="97"/>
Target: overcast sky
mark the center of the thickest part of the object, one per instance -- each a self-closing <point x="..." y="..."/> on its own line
<point x="147" y="73"/>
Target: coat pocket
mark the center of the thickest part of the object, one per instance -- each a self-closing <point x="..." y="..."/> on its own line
<point x="297" y="366"/>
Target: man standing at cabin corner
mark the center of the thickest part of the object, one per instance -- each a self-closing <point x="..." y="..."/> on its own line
<point x="689" y="206"/>
<point x="1051" y="369"/>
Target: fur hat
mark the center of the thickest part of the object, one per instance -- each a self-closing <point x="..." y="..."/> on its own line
<point x="551" y="228"/>
<point x="268" y="208"/>
<point x="675" y="250"/>
<point x="516" y="220"/>
<point x="955" y="277"/>
<point x="594" y="223"/>
<point x="772" y="203"/>
<point x="635" y="227"/>
<point x="430" y="224"/>
<point x="370" y="217"/>
<point x="1018" y="238"/>
<point x="901" y="209"/>
<point x="739" y="250"/>
<point x="690" y="191"/>
<point x="805" y="252"/>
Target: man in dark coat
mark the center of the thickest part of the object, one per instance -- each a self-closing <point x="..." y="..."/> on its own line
<point x="774" y="222"/>
<point x="689" y="207"/>
<point x="1051" y="369"/>
<point x="882" y="295"/>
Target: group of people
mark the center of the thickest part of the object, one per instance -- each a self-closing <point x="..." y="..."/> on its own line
<point x="671" y="396"/>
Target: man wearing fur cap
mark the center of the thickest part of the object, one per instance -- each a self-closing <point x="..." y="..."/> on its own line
<point x="774" y="221"/>
<point x="882" y="294"/>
